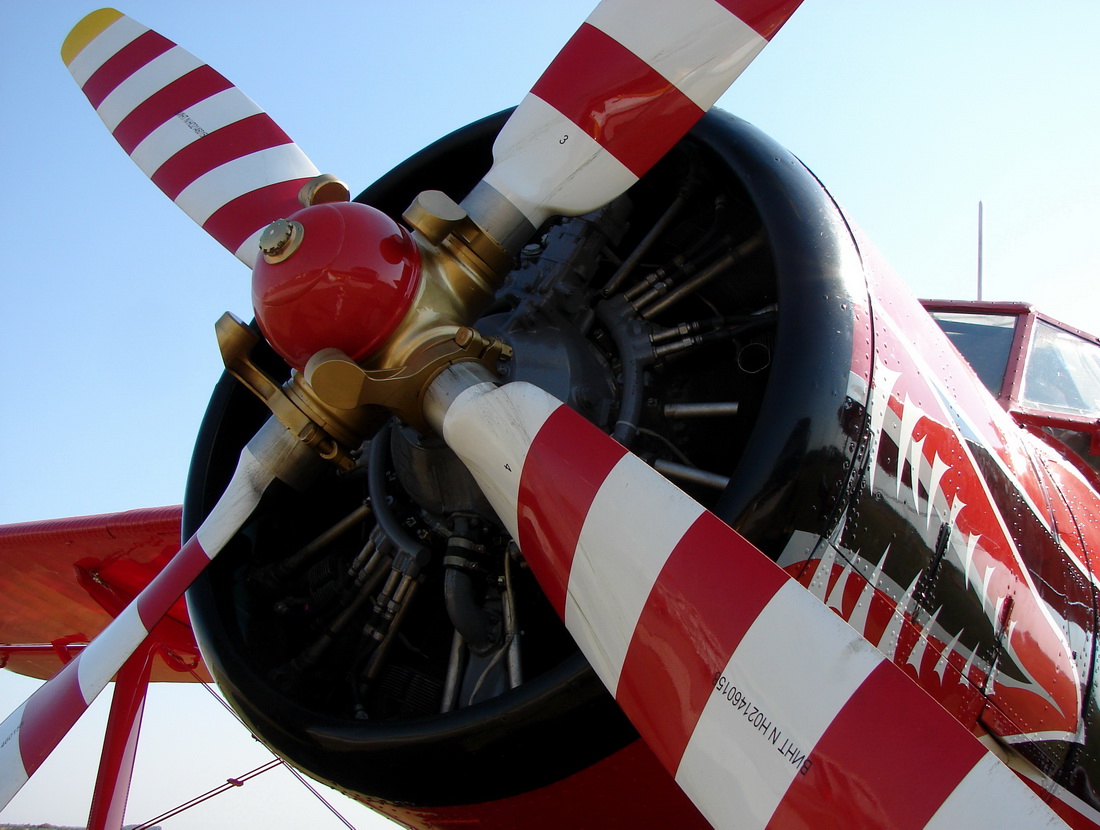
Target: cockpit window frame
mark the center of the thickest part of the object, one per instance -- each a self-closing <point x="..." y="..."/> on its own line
<point x="1013" y="379"/>
<point x="1011" y="394"/>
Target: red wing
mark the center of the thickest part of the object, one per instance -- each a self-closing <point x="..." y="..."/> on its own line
<point x="63" y="580"/>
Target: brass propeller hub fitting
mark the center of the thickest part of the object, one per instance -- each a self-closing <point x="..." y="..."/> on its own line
<point x="366" y="311"/>
<point x="331" y="432"/>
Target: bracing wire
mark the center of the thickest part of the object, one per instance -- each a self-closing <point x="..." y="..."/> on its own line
<point x="240" y="780"/>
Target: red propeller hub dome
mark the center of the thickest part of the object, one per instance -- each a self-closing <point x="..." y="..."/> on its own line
<point x="337" y="275"/>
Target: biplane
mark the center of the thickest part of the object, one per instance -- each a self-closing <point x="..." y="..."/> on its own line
<point x="658" y="387"/>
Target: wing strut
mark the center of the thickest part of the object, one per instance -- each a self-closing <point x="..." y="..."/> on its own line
<point x="33" y="730"/>
<point x="116" y="764"/>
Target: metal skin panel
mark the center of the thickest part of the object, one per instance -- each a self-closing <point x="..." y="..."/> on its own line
<point x="799" y="465"/>
<point x="949" y="557"/>
<point x="626" y="789"/>
<point x="871" y="552"/>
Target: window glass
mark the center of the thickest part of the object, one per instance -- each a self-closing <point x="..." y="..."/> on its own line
<point x="1063" y="372"/>
<point x="985" y="340"/>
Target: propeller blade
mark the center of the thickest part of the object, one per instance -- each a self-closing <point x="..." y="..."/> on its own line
<point x="32" y="731"/>
<point x="729" y="669"/>
<point x="626" y="87"/>
<point x="201" y="140"/>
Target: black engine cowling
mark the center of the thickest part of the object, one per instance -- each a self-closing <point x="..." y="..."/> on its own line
<point x="380" y="631"/>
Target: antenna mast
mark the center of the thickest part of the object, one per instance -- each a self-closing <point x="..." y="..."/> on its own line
<point x="979" y="251"/>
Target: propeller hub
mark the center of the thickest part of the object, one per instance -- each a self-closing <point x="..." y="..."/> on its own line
<point x="339" y="275"/>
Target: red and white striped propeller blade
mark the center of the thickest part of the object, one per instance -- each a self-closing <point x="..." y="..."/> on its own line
<point x="33" y="731"/>
<point x="626" y="87"/>
<point x="765" y="706"/>
<point x="201" y="140"/>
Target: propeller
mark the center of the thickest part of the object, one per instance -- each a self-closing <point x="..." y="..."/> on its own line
<point x="725" y="665"/>
<point x="226" y="163"/>
<point x="33" y="731"/>
<point x="204" y="143"/>
<point x="626" y="87"/>
<point x="719" y="659"/>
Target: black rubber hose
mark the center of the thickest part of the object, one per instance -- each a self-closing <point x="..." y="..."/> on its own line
<point x="479" y="627"/>
<point x="412" y="550"/>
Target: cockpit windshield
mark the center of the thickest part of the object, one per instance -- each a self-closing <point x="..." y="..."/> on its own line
<point x="985" y="340"/>
<point x="1046" y="375"/>
<point x="1062" y="372"/>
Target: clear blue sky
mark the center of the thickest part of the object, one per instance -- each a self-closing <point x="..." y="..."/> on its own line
<point x="909" y="111"/>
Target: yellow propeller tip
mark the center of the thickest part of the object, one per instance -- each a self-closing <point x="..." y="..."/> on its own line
<point x="86" y="31"/>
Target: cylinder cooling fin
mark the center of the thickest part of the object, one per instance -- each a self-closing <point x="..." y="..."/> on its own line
<point x="380" y="629"/>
